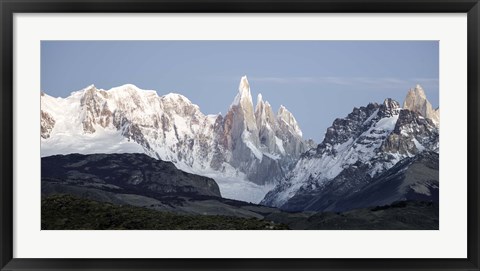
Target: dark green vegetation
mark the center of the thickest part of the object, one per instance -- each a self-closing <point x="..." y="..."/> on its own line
<point x="404" y="215"/>
<point x="65" y="212"/>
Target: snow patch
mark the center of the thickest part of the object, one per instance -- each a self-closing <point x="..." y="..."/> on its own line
<point x="256" y="152"/>
<point x="272" y="156"/>
<point x="241" y="189"/>
<point x="421" y="189"/>
<point x="374" y="114"/>
<point x="104" y="141"/>
<point x="419" y="146"/>
<point x="279" y="143"/>
<point x="232" y="183"/>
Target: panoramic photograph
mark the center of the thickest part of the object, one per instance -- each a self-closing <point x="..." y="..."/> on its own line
<point x="239" y="135"/>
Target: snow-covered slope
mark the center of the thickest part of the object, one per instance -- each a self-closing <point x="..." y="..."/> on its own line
<point x="247" y="148"/>
<point x="356" y="148"/>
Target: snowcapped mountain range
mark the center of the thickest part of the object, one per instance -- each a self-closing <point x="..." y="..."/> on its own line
<point x="358" y="148"/>
<point x="247" y="151"/>
<point x="252" y="153"/>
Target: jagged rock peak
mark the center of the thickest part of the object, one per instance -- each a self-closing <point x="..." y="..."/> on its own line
<point x="415" y="98"/>
<point x="418" y="91"/>
<point x="283" y="111"/>
<point x="288" y="118"/>
<point x="244" y="85"/>
<point x="259" y="109"/>
<point x="259" y="99"/>
<point x="82" y="91"/>
<point x="244" y="94"/>
<point x="390" y="108"/>
<point x="90" y="89"/>
<point x="391" y="104"/>
<point x="416" y="101"/>
<point x="264" y="116"/>
<point x="262" y="106"/>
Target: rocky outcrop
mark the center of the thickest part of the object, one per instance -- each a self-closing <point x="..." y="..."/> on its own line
<point x="46" y="124"/>
<point x="267" y="124"/>
<point x="390" y="108"/>
<point x="416" y="101"/>
<point x="290" y="134"/>
<point x="412" y="134"/>
<point x="126" y="173"/>
<point x="95" y="110"/>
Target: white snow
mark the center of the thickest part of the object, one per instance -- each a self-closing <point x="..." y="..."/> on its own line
<point x="142" y="107"/>
<point x="421" y="189"/>
<point x="374" y="114"/>
<point x="259" y="99"/>
<point x="104" y="141"/>
<point x="387" y="124"/>
<point x="272" y="156"/>
<point x="232" y="183"/>
<point x="256" y="152"/>
<point x="186" y="140"/>
<point x="327" y="167"/>
<point x="286" y="117"/>
<point x="279" y="143"/>
<point x="241" y="189"/>
<point x="419" y="146"/>
<point x="243" y="92"/>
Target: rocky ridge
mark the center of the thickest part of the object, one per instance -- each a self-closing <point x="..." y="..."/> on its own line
<point x="356" y="149"/>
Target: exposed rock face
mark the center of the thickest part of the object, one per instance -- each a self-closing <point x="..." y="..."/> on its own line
<point x="241" y="129"/>
<point x="412" y="134"/>
<point x="267" y="124"/>
<point x="353" y="125"/>
<point x="261" y="144"/>
<point x="47" y="123"/>
<point x="416" y="101"/>
<point x="95" y="110"/>
<point x="289" y="132"/>
<point x="390" y="108"/>
<point x="243" y="113"/>
<point x="355" y="150"/>
<point x="413" y="178"/>
<point x="126" y="172"/>
<point x="249" y="142"/>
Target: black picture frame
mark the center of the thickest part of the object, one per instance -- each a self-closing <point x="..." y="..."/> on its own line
<point x="9" y="7"/>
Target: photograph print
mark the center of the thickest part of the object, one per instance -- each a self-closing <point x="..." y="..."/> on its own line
<point x="239" y="135"/>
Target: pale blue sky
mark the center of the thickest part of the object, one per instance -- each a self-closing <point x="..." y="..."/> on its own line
<point x="317" y="81"/>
